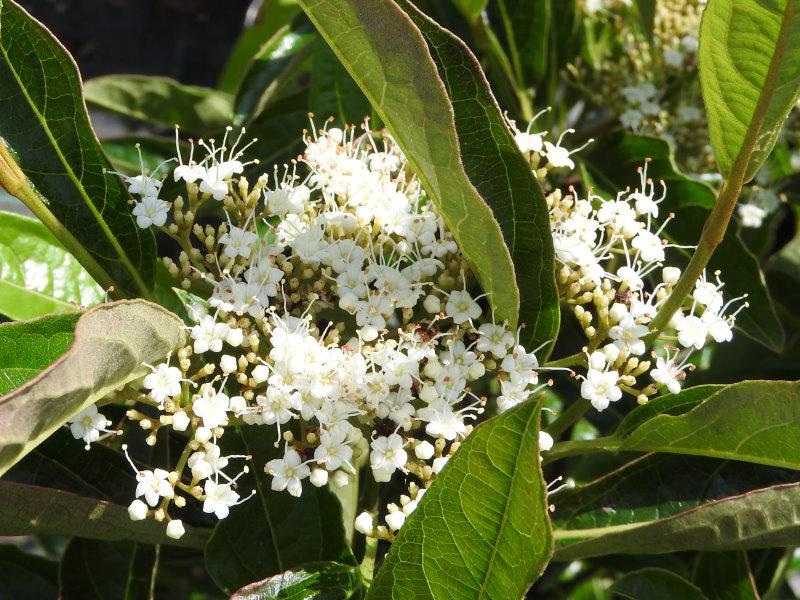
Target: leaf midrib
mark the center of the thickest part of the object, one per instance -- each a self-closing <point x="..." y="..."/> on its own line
<point x="70" y="173"/>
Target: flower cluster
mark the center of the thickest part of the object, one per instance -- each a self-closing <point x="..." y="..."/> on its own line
<point x="341" y="316"/>
<point x="340" y="313"/>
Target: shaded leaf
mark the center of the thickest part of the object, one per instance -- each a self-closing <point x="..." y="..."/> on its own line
<point x="526" y="25"/>
<point x="27" y="348"/>
<point x="111" y="343"/>
<point x="27" y="577"/>
<point x="481" y="530"/>
<point x="124" y="155"/>
<point x="749" y="60"/>
<point x="655" y="584"/>
<point x="34" y="510"/>
<point x="37" y="276"/>
<point x="647" y="16"/>
<point x="323" y="581"/>
<point x="407" y="81"/>
<point x="333" y="92"/>
<point x="661" y="503"/>
<point x="162" y="101"/>
<point x="99" y="570"/>
<point x="724" y="576"/>
<point x="273" y="531"/>
<point x="272" y="16"/>
<point x="43" y="120"/>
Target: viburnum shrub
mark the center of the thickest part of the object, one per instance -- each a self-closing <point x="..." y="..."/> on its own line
<point x="399" y="314"/>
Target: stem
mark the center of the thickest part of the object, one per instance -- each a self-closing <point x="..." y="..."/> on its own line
<point x="573" y="360"/>
<point x="367" y="567"/>
<point x="568" y="417"/>
<point x="574" y="447"/>
<point x="717" y="221"/>
<point x="16" y="183"/>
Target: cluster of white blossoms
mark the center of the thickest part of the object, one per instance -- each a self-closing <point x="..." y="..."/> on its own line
<point x="608" y="252"/>
<point x="342" y="318"/>
<point x="340" y="313"/>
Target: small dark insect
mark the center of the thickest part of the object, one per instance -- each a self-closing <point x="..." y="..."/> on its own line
<point x="386" y="427"/>
<point x="623" y="297"/>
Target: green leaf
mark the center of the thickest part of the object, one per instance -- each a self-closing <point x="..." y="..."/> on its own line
<point x="279" y="129"/>
<point x="457" y="144"/>
<point x="613" y="161"/>
<point x="99" y="570"/>
<point x="749" y="62"/>
<point x="34" y="510"/>
<point x="271" y="17"/>
<point x="111" y="343"/>
<point x="162" y="101"/>
<point x="753" y="421"/>
<point x="43" y="121"/>
<point x="37" y="276"/>
<point x="481" y="530"/>
<point x="668" y="404"/>
<point x="725" y="576"/>
<point x="26" y="348"/>
<point x="124" y="155"/>
<point x="655" y="584"/>
<point x="662" y="503"/>
<point x="333" y="92"/>
<point x="274" y="63"/>
<point x="526" y="29"/>
<point x="324" y="581"/>
<point x="27" y="577"/>
<point x="273" y="531"/>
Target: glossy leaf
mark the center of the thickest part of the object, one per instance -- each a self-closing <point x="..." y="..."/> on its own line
<point x="482" y="529"/>
<point x="754" y="421"/>
<point x="34" y="510"/>
<point x="667" y="503"/>
<point x="749" y="62"/>
<point x="613" y="161"/>
<point x="457" y="144"/>
<point x="43" y="121"/>
<point x="111" y="343"/>
<point x="333" y="92"/>
<point x="526" y="25"/>
<point x="271" y="17"/>
<point x="99" y="570"/>
<point x="37" y="276"/>
<point x="725" y="576"/>
<point x="653" y="583"/>
<point x="27" y="348"/>
<point x="273" y="531"/>
<point x="323" y="581"/>
<point x="162" y="101"/>
<point x="271" y="66"/>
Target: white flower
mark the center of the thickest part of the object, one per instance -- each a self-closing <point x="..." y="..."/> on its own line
<point x="649" y="245"/>
<point x="495" y="339"/>
<point x="424" y="450"/>
<point x="545" y="441"/>
<point x="631" y="118"/>
<point x="751" y="215"/>
<point x="87" y="425"/>
<point x="627" y="336"/>
<point x="212" y="408"/>
<point x="673" y="57"/>
<point x="150" y="211"/>
<point x="209" y="335"/>
<point x="142" y="185"/>
<point x="288" y="472"/>
<point x="600" y="388"/>
<point x="219" y="498"/>
<point x="386" y="456"/>
<point x="669" y="373"/>
<point x="164" y="382"/>
<point x="238" y="242"/>
<point x="333" y="450"/>
<point x="153" y="485"/>
<point x="692" y="332"/>
<point x="461" y="307"/>
<point x="319" y="477"/>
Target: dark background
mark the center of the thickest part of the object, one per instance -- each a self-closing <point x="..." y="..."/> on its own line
<point x="188" y="40"/>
